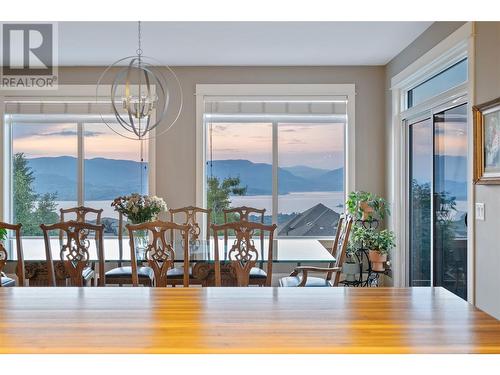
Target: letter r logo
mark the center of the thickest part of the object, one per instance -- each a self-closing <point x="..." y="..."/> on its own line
<point x="27" y="49"/>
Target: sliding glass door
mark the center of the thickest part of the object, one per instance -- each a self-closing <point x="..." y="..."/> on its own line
<point x="421" y="149"/>
<point x="438" y="200"/>
<point x="450" y="200"/>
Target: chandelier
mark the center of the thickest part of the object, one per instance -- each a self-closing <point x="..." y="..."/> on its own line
<point x="141" y="95"/>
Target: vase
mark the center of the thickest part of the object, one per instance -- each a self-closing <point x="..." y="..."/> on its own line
<point x="377" y="260"/>
<point x="367" y="211"/>
<point x="141" y="243"/>
<point x="350" y="270"/>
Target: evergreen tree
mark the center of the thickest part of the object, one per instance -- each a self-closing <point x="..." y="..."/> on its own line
<point x="30" y="208"/>
<point x="218" y="195"/>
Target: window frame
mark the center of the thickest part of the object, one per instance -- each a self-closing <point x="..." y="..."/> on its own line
<point x="203" y="91"/>
<point x="456" y="47"/>
<point x="64" y="94"/>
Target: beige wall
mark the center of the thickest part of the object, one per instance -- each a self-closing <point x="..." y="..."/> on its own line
<point x="175" y="150"/>
<point x="487" y="87"/>
<point x="487" y="249"/>
<point x="425" y="42"/>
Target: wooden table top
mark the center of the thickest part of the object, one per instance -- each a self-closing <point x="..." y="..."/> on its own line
<point x="242" y="320"/>
<point x="286" y="250"/>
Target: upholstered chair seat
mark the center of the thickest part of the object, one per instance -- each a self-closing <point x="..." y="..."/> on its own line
<point x="294" y="281"/>
<point x="7" y="281"/>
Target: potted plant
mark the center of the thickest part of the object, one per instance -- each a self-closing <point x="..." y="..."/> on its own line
<point x="366" y="206"/>
<point x="351" y="266"/>
<point x="380" y="246"/>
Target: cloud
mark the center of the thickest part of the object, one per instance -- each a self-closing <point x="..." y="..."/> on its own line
<point x="70" y="133"/>
<point x="295" y="141"/>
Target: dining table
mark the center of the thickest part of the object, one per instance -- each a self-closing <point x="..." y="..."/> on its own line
<point x="243" y="320"/>
<point x="292" y="251"/>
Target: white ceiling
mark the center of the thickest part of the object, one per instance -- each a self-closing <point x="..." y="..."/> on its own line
<point x="238" y="43"/>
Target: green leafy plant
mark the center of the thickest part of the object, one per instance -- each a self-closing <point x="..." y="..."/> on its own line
<point x="358" y="199"/>
<point x="362" y="237"/>
<point x="3" y="234"/>
<point x="384" y="241"/>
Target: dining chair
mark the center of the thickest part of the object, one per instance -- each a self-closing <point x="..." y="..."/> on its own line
<point x="243" y="255"/>
<point x="122" y="275"/>
<point x="300" y="276"/>
<point x="74" y="251"/>
<point x="81" y="214"/>
<point x="243" y="213"/>
<point x="193" y="216"/>
<point x="159" y="252"/>
<point x="20" y="272"/>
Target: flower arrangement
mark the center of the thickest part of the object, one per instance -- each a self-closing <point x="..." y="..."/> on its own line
<point x="139" y="208"/>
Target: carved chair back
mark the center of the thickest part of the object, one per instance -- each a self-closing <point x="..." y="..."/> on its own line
<point x="19" y="247"/>
<point x="339" y="248"/>
<point x="243" y="214"/>
<point x="191" y="215"/>
<point x="159" y="252"/>
<point x="80" y="214"/>
<point x="242" y="254"/>
<point x="74" y="250"/>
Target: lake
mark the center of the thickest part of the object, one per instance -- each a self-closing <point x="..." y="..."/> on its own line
<point x="288" y="203"/>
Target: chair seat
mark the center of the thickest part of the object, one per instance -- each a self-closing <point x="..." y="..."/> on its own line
<point x="126" y="272"/>
<point x="178" y="273"/>
<point x="7" y="281"/>
<point x="257" y="273"/>
<point x="294" y="281"/>
<point x="87" y="273"/>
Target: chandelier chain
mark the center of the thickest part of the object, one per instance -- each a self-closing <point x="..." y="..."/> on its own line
<point x="139" y="39"/>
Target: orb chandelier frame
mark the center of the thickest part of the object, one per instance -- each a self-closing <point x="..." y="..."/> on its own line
<point x="151" y="93"/>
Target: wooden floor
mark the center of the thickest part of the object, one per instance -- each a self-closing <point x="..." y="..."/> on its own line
<point x="242" y="320"/>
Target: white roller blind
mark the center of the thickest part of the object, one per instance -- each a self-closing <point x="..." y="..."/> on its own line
<point x="56" y="111"/>
<point x="274" y="108"/>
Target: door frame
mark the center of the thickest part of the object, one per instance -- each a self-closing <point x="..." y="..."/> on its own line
<point x="459" y="100"/>
<point x="457" y="46"/>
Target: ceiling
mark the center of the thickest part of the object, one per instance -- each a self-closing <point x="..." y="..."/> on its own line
<point x="238" y="43"/>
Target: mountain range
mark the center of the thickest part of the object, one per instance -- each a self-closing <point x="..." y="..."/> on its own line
<point x="105" y="179"/>
<point x="257" y="177"/>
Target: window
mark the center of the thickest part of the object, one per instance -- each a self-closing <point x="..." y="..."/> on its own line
<point x="62" y="160"/>
<point x="281" y="153"/>
<point x="441" y="82"/>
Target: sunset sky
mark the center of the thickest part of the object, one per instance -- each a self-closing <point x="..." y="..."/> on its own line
<point x="58" y="140"/>
<point x="314" y="145"/>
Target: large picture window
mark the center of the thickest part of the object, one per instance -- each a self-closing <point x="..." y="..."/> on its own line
<point x="284" y="154"/>
<point x="63" y="160"/>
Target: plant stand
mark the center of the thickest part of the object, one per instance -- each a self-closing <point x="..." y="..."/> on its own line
<point x="367" y="276"/>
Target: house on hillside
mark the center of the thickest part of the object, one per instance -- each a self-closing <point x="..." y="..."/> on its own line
<point x="316" y="221"/>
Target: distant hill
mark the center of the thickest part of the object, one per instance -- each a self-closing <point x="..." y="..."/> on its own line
<point x="105" y="179"/>
<point x="305" y="171"/>
<point x="258" y="177"/>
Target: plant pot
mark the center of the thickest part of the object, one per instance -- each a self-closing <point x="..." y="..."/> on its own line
<point x="350" y="270"/>
<point x="366" y="209"/>
<point x="377" y="260"/>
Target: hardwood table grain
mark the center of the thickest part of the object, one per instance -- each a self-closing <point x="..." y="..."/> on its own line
<point x="242" y="320"/>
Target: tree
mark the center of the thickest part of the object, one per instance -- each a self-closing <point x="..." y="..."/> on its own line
<point x="218" y="195"/>
<point x="30" y="208"/>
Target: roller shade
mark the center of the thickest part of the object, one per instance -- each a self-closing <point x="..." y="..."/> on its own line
<point x="33" y="112"/>
<point x="280" y="109"/>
